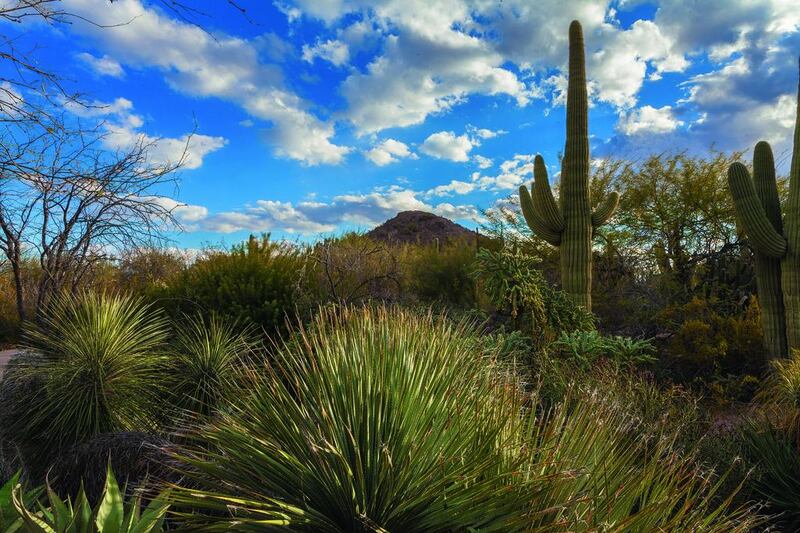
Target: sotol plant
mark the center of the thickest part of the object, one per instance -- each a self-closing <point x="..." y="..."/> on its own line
<point x="570" y="223"/>
<point x="776" y="241"/>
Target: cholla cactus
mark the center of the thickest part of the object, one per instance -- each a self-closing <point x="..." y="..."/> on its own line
<point x="776" y="241"/>
<point x="570" y="224"/>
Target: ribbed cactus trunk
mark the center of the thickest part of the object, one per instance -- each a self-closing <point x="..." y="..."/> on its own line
<point x="570" y="224"/>
<point x="768" y="269"/>
<point x="776" y="242"/>
<point x="576" y="241"/>
<point x="790" y="266"/>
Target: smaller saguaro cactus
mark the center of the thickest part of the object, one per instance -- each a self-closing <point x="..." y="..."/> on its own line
<point x="570" y="223"/>
<point x="776" y="241"/>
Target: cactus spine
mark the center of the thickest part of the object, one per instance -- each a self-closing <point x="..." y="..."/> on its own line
<point x="570" y="224"/>
<point x="776" y="242"/>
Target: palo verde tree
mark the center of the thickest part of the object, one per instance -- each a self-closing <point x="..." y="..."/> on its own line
<point x="776" y="241"/>
<point x="571" y="223"/>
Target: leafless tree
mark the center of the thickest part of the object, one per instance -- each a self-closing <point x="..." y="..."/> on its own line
<point x="69" y="202"/>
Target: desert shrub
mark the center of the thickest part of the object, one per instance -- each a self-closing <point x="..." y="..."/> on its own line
<point x="95" y="368"/>
<point x="354" y="269"/>
<point x="256" y="283"/>
<point x="140" y="269"/>
<point x="706" y="344"/>
<point x="205" y="362"/>
<point x="369" y="407"/>
<point x="513" y="284"/>
<point x="585" y="348"/>
<point x="441" y="273"/>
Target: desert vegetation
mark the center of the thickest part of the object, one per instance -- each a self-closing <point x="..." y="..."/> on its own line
<point x="621" y="359"/>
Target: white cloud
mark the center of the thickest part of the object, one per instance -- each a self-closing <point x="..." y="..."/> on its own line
<point x="483" y="162"/>
<point x="313" y="217"/>
<point x="220" y="66"/>
<point x="334" y="51"/>
<point x="446" y="145"/>
<point x="648" y="120"/>
<point x="389" y="151"/>
<point x="103" y="66"/>
<point x="122" y="131"/>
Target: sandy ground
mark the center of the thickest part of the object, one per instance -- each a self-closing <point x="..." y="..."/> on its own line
<point x="5" y="355"/>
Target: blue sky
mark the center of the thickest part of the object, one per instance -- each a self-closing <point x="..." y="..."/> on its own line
<point x="316" y="116"/>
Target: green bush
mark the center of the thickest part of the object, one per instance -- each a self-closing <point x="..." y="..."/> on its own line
<point x="387" y="421"/>
<point x="96" y="360"/>
<point x="257" y="283"/>
<point x="441" y="273"/>
<point x="706" y="344"/>
<point x="585" y="348"/>
<point x="513" y="284"/>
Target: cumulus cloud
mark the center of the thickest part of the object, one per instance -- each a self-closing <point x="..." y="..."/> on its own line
<point x="649" y="120"/>
<point x="218" y="66"/>
<point x="313" y="217"/>
<point x="122" y="128"/>
<point x="334" y="51"/>
<point x="389" y="151"/>
<point x="103" y="66"/>
<point x="446" y="145"/>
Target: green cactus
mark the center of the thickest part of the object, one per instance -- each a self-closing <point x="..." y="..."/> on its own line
<point x="571" y="223"/>
<point x="776" y="242"/>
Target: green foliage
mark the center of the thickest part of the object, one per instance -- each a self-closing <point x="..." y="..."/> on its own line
<point x="571" y="223"/>
<point x="97" y="360"/>
<point x="256" y="283"/>
<point x="112" y="514"/>
<point x="205" y="363"/>
<point x="10" y="521"/>
<point x="442" y="273"/>
<point x="585" y="348"/>
<point x="707" y="345"/>
<point x="777" y="476"/>
<point x="369" y="407"/>
<point x="514" y="284"/>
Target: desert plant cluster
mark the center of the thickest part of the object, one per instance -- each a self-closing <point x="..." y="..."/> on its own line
<point x="619" y="357"/>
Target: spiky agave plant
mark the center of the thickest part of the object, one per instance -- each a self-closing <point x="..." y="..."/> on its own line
<point x="206" y="362"/>
<point x="571" y="223"/>
<point x="97" y="360"/>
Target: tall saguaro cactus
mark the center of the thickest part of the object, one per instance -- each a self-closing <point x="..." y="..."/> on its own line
<point x="776" y="242"/>
<point x="570" y="224"/>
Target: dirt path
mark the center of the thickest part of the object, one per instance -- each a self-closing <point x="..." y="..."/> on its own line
<point x="5" y="357"/>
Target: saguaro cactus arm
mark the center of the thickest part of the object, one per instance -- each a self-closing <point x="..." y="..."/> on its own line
<point x="534" y="221"/>
<point x="543" y="200"/>
<point x="751" y="213"/>
<point x="605" y="209"/>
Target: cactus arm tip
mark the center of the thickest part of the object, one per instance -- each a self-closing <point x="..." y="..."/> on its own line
<point x="605" y="210"/>
<point x="534" y="221"/>
<point x="542" y="196"/>
<point x="751" y="215"/>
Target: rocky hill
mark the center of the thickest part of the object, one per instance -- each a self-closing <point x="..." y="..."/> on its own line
<point x="419" y="227"/>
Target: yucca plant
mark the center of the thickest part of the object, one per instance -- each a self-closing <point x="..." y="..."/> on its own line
<point x="97" y="361"/>
<point x="369" y="421"/>
<point x="112" y="514"/>
<point x="206" y="362"/>
<point x="385" y="421"/>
